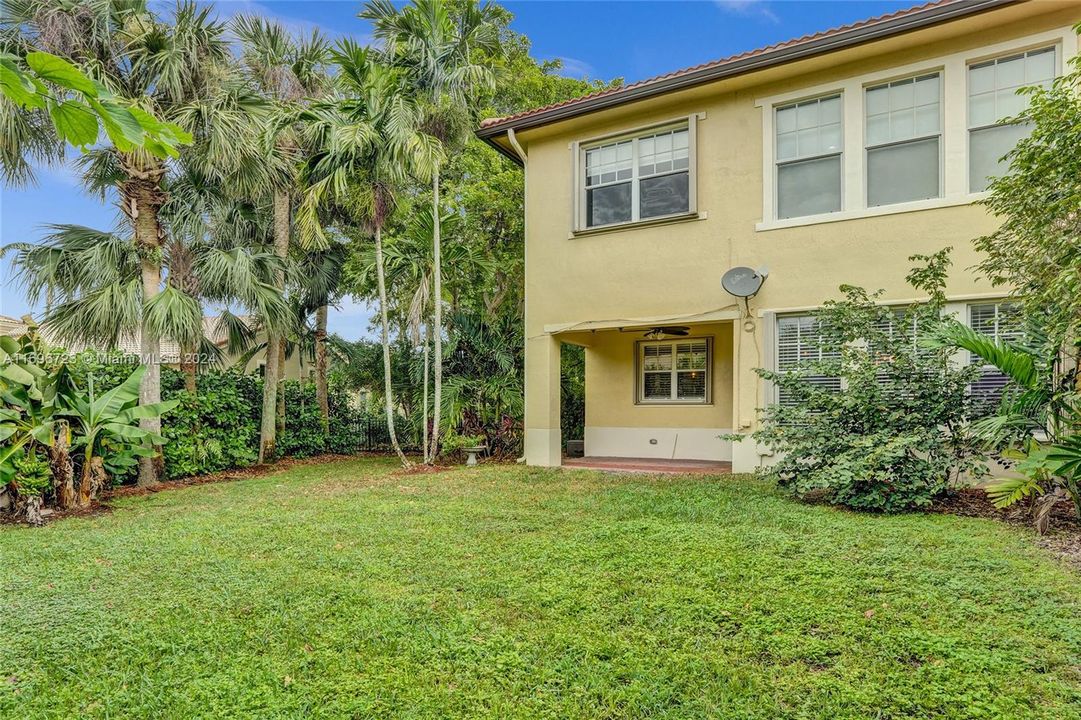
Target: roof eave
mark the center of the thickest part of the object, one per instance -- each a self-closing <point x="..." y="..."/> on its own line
<point x="509" y="154"/>
<point x="799" y="51"/>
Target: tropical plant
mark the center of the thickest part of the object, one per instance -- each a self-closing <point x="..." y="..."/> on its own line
<point x="108" y="430"/>
<point x="319" y="275"/>
<point x="289" y="71"/>
<point x="28" y="404"/>
<point x="38" y="85"/>
<point x="439" y="44"/>
<point x="89" y="283"/>
<point x="484" y="380"/>
<point x="366" y="144"/>
<point x="177" y="70"/>
<point x="407" y="254"/>
<point x="879" y="421"/>
<point x="1035" y="429"/>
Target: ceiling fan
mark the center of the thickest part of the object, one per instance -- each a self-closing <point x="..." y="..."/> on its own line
<point x="659" y="333"/>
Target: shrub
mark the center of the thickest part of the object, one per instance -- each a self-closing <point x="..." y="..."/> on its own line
<point x="216" y="428"/>
<point x="304" y="437"/>
<point x="895" y="435"/>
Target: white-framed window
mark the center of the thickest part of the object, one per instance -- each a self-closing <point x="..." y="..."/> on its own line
<point x="675" y="371"/>
<point x="800" y="343"/>
<point x="809" y="140"/>
<point x="1001" y="321"/>
<point x="903" y="134"/>
<point x="992" y="97"/>
<point x="643" y="177"/>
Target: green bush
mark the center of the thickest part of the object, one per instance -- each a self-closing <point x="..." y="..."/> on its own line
<point x="893" y="433"/>
<point x="215" y="429"/>
<point x="304" y="437"/>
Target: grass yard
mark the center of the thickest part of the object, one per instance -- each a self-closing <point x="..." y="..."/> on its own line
<point x="342" y="590"/>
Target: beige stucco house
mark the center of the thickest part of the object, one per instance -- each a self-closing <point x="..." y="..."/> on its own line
<point x="829" y="159"/>
<point x="296" y="368"/>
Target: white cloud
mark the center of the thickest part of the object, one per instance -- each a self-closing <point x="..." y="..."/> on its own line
<point x="748" y="8"/>
<point x="352" y="319"/>
<point x="573" y="67"/>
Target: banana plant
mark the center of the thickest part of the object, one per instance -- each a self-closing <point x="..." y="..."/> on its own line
<point x="28" y="397"/>
<point x="107" y="428"/>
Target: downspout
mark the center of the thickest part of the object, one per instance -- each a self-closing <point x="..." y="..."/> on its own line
<point x="516" y="145"/>
<point x="513" y="139"/>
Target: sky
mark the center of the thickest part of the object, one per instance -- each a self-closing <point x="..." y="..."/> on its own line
<point x="629" y="39"/>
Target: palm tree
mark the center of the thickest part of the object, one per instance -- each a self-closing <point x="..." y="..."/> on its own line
<point x="288" y="70"/>
<point x="408" y="267"/>
<point x="319" y="274"/>
<point x="366" y="145"/>
<point x="89" y="281"/>
<point x="178" y="71"/>
<point x="438" y="43"/>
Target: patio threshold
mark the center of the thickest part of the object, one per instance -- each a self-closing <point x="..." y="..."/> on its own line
<point x="649" y="465"/>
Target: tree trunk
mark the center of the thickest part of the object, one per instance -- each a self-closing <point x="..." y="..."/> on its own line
<point x="427" y="363"/>
<point x="437" y="302"/>
<point x="385" y="339"/>
<point x="62" y="468"/>
<point x="92" y="480"/>
<point x="321" y="392"/>
<point x="188" y="368"/>
<point x="145" y="200"/>
<point x="279" y="411"/>
<point x="268" y="442"/>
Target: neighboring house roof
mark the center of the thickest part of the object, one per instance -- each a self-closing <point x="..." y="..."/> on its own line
<point x="169" y="349"/>
<point x="807" y="46"/>
<point x="12" y="327"/>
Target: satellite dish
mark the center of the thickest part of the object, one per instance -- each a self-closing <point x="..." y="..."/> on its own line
<point x="743" y="282"/>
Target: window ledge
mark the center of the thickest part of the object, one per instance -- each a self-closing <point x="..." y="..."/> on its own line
<point x="683" y="217"/>
<point x="671" y="403"/>
<point x="917" y="206"/>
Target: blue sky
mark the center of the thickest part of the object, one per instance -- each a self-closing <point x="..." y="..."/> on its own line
<point x="633" y="40"/>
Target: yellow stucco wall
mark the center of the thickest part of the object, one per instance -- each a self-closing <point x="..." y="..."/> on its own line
<point x="674" y="268"/>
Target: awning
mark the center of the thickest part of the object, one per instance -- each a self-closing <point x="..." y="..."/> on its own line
<point x="721" y="314"/>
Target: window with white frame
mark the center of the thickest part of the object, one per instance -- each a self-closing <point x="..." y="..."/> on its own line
<point x="638" y="178"/>
<point x="799" y="345"/>
<point x="1001" y="321"/>
<point x="904" y="140"/>
<point x="992" y="97"/>
<point x="809" y="140"/>
<point x="676" y="371"/>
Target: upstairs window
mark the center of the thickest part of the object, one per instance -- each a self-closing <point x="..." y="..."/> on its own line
<point x="639" y="178"/>
<point x="992" y="96"/>
<point x="904" y="140"/>
<point x="799" y="344"/>
<point x="809" y="142"/>
<point x="1001" y="321"/>
<point x="674" y="371"/>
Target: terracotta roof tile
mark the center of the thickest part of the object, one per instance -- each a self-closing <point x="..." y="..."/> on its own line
<point x="718" y="63"/>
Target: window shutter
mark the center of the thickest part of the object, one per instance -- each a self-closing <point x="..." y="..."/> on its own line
<point x="1000" y="321"/>
<point x="799" y="343"/>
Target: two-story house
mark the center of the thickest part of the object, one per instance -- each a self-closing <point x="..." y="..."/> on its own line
<point x="829" y="159"/>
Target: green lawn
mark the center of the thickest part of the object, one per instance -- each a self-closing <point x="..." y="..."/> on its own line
<point x="344" y="591"/>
